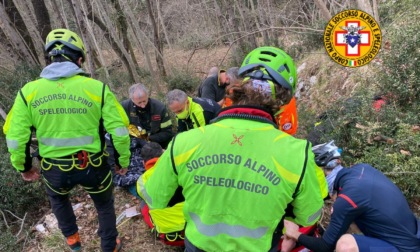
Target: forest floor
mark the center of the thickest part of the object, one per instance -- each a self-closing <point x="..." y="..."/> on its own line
<point x="133" y="231"/>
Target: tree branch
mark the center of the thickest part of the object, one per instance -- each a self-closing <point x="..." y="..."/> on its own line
<point x="4" y="218"/>
<point x="21" y="225"/>
<point x="3" y="114"/>
<point x="292" y="29"/>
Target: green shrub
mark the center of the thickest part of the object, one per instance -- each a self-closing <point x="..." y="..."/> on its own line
<point x="401" y="59"/>
<point x="17" y="195"/>
<point x="183" y="80"/>
<point x="384" y="139"/>
<point x="12" y="81"/>
<point x="8" y="240"/>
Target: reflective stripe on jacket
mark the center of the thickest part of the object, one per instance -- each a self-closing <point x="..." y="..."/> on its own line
<point x="238" y="176"/>
<point x="66" y="114"/>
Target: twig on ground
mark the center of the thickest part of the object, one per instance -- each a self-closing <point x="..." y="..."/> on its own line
<point x="21" y="225"/>
<point x="123" y="222"/>
<point x="4" y="218"/>
<point x="14" y="214"/>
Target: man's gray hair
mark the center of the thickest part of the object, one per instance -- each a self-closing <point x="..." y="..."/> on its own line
<point x="232" y="73"/>
<point x="138" y="89"/>
<point x="176" y="95"/>
<point x="213" y="71"/>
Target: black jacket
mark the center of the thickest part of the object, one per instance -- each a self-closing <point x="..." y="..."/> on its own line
<point x="154" y="118"/>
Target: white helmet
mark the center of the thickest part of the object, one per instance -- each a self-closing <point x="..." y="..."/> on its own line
<point x="325" y="152"/>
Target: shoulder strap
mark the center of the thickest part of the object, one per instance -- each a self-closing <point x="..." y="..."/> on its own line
<point x="172" y="155"/>
<point x="195" y="120"/>
<point x="289" y="208"/>
<point x="101" y="121"/>
<point x="23" y="97"/>
<point x="103" y="94"/>
<point x="303" y="171"/>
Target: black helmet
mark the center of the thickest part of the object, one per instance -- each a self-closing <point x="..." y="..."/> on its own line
<point x="325" y="152"/>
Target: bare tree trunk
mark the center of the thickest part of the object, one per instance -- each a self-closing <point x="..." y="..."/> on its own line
<point x="122" y="28"/>
<point x="156" y="40"/>
<point x="55" y="13"/>
<point x="34" y="37"/>
<point x="274" y="33"/>
<point x="365" y="6"/>
<point x="163" y="24"/>
<point x="42" y="18"/>
<point x="244" y="44"/>
<point x="218" y="11"/>
<point x="84" y="34"/>
<point x="3" y="114"/>
<point x="110" y="40"/>
<point x="20" y="48"/>
<point x="375" y="10"/>
<point x="139" y="38"/>
<point x="324" y="10"/>
<point x="117" y="43"/>
<point x="63" y="13"/>
<point x="98" y="50"/>
<point x="257" y="22"/>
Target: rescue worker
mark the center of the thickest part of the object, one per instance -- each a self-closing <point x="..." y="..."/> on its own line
<point x="170" y="220"/>
<point x="191" y="112"/>
<point x="213" y="87"/>
<point x="240" y="173"/>
<point x="69" y="113"/>
<point x="365" y="196"/>
<point x="149" y="114"/>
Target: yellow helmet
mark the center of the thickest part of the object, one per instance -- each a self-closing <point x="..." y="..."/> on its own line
<point x="67" y="38"/>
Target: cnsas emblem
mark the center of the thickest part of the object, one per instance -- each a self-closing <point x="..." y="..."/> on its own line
<point x="352" y="38"/>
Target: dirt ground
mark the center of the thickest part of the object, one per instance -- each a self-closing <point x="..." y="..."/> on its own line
<point x="134" y="233"/>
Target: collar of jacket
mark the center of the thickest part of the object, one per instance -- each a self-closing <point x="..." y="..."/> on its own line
<point x="247" y="112"/>
<point x="150" y="163"/>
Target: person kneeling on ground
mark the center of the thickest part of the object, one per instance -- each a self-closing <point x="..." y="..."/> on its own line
<point x="169" y="220"/>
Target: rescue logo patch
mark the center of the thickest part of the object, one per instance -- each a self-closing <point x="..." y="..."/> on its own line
<point x="156" y="117"/>
<point x="352" y="38"/>
<point x="237" y="139"/>
<point x="287" y="126"/>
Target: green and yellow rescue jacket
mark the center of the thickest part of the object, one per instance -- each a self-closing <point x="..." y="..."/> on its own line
<point x="238" y="177"/>
<point x="66" y="114"/>
<point x="201" y="112"/>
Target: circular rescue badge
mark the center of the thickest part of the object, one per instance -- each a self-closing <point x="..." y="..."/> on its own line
<point x="352" y="38"/>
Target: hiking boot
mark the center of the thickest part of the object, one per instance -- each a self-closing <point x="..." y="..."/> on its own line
<point x="118" y="246"/>
<point x="74" y="242"/>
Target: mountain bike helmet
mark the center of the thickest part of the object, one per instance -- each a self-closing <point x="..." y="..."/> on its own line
<point x="270" y="63"/>
<point x="325" y="152"/>
<point x="59" y="37"/>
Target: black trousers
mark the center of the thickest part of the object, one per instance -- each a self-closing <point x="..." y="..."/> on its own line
<point x="97" y="181"/>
